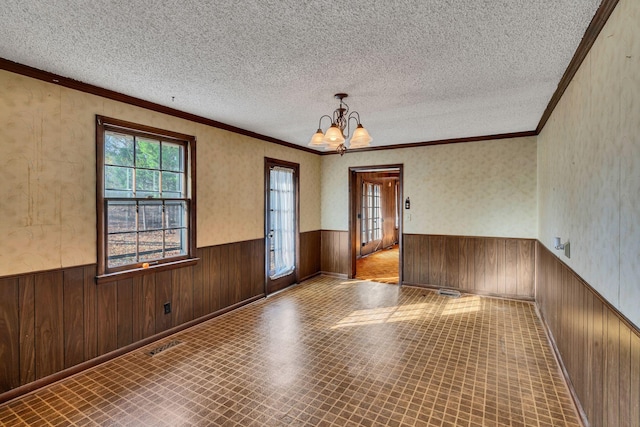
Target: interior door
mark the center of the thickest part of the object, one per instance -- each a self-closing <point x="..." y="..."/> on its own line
<point x="281" y="224"/>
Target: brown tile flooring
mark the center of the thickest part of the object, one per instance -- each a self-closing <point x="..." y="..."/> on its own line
<point x="381" y="266"/>
<point x="328" y="353"/>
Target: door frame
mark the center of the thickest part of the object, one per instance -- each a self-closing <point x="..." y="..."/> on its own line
<point x="353" y="215"/>
<point x="268" y="162"/>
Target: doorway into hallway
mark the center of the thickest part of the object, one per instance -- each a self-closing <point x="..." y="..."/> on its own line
<point x="375" y="222"/>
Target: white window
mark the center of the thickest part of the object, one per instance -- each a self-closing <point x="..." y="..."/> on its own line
<point x="371" y="213"/>
<point x="144" y="196"/>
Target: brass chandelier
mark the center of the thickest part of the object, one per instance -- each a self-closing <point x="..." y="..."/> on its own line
<point x="335" y="136"/>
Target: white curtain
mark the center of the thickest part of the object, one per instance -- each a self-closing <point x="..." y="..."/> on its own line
<point x="282" y="222"/>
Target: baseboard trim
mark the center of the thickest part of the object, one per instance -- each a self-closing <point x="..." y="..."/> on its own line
<point x="310" y="276"/>
<point x="336" y="275"/>
<point x="66" y="373"/>
<point x="471" y="292"/>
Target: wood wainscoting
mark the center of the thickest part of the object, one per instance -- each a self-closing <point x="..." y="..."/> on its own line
<point x="335" y="253"/>
<point x="598" y="347"/>
<point x="54" y="320"/>
<point x="483" y="265"/>
<point x="310" y="258"/>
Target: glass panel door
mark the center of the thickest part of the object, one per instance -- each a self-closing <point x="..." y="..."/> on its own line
<point x="281" y="224"/>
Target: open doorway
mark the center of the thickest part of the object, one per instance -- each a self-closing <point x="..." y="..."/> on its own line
<point x="375" y="223"/>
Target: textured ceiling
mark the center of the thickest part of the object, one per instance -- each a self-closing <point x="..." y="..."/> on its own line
<point x="415" y="70"/>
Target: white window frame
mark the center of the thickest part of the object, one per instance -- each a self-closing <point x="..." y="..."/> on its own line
<point x="177" y="219"/>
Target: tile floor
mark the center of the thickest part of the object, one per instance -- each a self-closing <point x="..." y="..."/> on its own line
<point x="328" y="352"/>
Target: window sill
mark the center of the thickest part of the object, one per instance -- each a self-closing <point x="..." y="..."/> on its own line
<point x="121" y="275"/>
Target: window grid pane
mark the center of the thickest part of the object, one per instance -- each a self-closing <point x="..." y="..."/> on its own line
<point x="172" y="157"/>
<point x="142" y="230"/>
<point x="118" y="149"/>
<point x="150" y="245"/>
<point x="122" y="249"/>
<point x="118" y="178"/>
<point x="147" y="153"/>
<point x="150" y="216"/>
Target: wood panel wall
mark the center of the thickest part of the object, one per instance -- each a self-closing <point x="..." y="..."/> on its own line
<point x="483" y="265"/>
<point x="334" y="252"/>
<point x="310" y="258"/>
<point x="598" y="347"/>
<point x="54" y="320"/>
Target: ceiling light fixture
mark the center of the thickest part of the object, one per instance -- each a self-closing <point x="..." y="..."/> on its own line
<point x="334" y="138"/>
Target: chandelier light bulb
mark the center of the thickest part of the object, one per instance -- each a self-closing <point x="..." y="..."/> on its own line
<point x="360" y="138"/>
<point x="334" y="137"/>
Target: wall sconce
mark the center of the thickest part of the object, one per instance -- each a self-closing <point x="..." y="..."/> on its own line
<point x="557" y="243"/>
<point x="566" y="246"/>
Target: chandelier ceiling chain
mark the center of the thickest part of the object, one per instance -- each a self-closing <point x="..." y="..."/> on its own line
<point x="335" y="137"/>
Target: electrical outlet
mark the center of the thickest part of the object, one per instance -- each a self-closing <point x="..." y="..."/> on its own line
<point x="167" y="307"/>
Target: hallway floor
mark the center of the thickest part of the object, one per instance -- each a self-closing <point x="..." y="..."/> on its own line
<point x="328" y="352"/>
<point x="381" y="266"/>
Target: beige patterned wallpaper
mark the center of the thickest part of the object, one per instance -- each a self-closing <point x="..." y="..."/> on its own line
<point x="47" y="176"/>
<point x="485" y="188"/>
<point x="589" y="165"/>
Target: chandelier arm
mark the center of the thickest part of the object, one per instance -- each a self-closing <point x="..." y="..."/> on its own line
<point x="355" y="115"/>
<point x="320" y="121"/>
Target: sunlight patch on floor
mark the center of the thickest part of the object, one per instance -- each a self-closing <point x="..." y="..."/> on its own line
<point x="376" y="316"/>
<point x="464" y="305"/>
